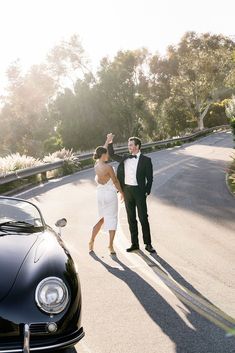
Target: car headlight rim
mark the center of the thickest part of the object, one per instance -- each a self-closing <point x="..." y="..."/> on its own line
<point x="52" y="287"/>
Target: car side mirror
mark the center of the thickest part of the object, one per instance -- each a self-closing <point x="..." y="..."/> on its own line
<point x="61" y="222"/>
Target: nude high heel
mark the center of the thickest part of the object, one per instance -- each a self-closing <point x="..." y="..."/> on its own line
<point x="111" y="250"/>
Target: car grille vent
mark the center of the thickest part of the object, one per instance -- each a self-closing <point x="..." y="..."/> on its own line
<point x="39" y="328"/>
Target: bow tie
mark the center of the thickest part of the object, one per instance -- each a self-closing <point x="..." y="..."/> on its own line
<point x="132" y="156"/>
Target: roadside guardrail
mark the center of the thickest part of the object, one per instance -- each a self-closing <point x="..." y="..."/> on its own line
<point x="27" y="172"/>
<point x="44" y="168"/>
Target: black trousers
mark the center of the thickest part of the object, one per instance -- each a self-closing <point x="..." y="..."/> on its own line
<point x="135" y="198"/>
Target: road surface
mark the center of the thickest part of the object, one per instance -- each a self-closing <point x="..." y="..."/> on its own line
<point x="181" y="300"/>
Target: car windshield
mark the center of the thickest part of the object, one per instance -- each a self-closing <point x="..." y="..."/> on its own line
<point x="20" y="214"/>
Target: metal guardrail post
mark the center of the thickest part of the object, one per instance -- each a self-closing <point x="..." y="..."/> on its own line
<point x="44" y="176"/>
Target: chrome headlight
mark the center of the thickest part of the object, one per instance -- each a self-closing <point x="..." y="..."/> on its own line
<point x="52" y="295"/>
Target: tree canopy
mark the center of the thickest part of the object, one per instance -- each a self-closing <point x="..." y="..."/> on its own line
<point x="62" y="103"/>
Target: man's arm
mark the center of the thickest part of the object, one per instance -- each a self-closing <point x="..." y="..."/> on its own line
<point x="113" y="155"/>
<point x="149" y="175"/>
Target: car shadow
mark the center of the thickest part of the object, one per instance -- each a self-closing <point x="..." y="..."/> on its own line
<point x="201" y="336"/>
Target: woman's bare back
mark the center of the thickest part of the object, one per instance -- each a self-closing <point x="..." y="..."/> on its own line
<point x="102" y="171"/>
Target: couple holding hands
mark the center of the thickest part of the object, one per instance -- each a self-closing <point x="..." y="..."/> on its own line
<point x="133" y="181"/>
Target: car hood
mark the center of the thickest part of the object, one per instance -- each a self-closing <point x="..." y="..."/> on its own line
<point x="13" y="251"/>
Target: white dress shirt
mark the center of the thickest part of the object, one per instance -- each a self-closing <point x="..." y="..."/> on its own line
<point x="130" y="166"/>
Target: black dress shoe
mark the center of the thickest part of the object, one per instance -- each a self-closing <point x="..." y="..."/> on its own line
<point x="150" y="249"/>
<point x="133" y="248"/>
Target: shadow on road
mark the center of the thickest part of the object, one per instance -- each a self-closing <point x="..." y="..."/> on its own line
<point x="74" y="179"/>
<point x="67" y="350"/>
<point x="204" y="337"/>
<point x="178" y="285"/>
<point x="199" y="186"/>
<point x="165" y="270"/>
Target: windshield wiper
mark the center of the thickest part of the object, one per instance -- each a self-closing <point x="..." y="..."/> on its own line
<point x="3" y="232"/>
<point x="20" y="225"/>
<point x="17" y="223"/>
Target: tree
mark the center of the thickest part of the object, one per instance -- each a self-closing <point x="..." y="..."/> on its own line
<point x="67" y="62"/>
<point x="24" y="117"/>
<point x="197" y="72"/>
<point x="122" y="86"/>
<point x="116" y="101"/>
<point x="28" y="118"/>
<point x="230" y="108"/>
<point x="62" y="104"/>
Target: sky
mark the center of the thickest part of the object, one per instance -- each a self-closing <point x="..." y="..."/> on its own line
<point x="30" y="28"/>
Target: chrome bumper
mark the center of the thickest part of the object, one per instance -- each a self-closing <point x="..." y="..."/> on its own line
<point x="26" y="344"/>
<point x="26" y="348"/>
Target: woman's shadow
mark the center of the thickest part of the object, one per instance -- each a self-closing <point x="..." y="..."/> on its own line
<point x="205" y="337"/>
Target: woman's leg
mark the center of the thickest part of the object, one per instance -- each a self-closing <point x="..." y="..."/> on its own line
<point x="94" y="233"/>
<point x="111" y="239"/>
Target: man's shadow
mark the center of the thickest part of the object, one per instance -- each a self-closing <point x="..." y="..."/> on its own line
<point x="205" y="337"/>
<point x="179" y="286"/>
<point x="165" y="271"/>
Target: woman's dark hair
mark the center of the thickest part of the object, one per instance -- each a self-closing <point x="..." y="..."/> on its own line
<point x="99" y="151"/>
<point x="136" y="140"/>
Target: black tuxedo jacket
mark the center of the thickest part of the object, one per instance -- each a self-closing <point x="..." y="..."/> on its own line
<point x="144" y="173"/>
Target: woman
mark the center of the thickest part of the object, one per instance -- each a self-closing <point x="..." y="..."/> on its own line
<point x="107" y="187"/>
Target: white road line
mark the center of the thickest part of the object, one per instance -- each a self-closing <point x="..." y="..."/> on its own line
<point x="163" y="169"/>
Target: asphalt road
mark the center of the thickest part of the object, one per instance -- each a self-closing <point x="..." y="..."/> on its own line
<point x="181" y="300"/>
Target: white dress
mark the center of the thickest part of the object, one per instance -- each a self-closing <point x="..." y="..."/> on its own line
<point x="107" y="204"/>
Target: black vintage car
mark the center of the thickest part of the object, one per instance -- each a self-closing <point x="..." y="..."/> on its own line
<point x="40" y="295"/>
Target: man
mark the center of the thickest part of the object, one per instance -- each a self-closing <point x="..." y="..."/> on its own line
<point x="135" y="174"/>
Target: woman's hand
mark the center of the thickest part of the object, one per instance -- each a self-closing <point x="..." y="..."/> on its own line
<point x="110" y="137"/>
<point x="122" y="197"/>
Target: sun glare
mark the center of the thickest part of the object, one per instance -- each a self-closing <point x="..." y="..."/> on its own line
<point x="28" y="29"/>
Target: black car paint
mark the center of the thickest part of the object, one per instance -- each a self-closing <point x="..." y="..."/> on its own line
<point x="25" y="260"/>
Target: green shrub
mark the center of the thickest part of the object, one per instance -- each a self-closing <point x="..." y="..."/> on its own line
<point x="231" y="175"/>
<point x="71" y="163"/>
<point x="52" y="144"/>
<point x="232" y="123"/>
<point x="230" y="112"/>
<point x="86" y="163"/>
<point x="217" y="115"/>
<point x="178" y="143"/>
